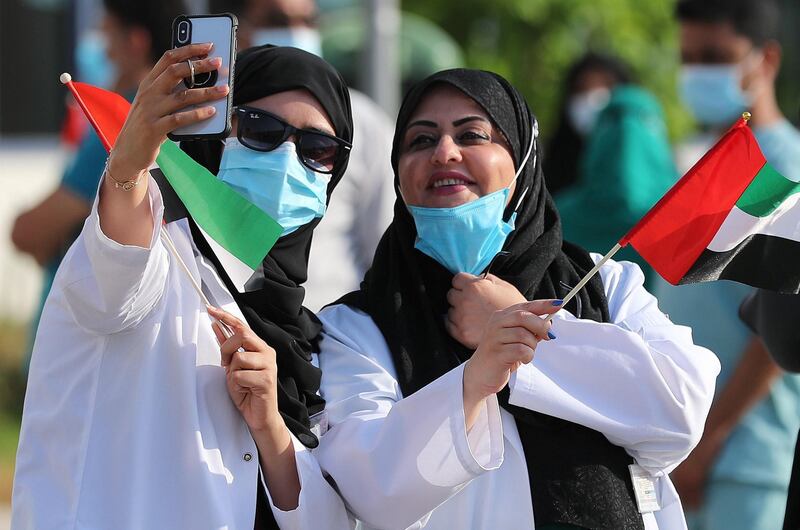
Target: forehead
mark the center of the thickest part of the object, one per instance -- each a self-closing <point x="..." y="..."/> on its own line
<point x="709" y="42"/>
<point x="298" y="107"/>
<point x="445" y="103"/>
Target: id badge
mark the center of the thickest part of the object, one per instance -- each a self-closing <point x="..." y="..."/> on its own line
<point x="644" y="487"/>
<point x="319" y="423"/>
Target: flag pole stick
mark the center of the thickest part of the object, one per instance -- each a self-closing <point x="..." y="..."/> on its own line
<point x="66" y="79"/>
<point x="586" y="278"/>
<point x="174" y="251"/>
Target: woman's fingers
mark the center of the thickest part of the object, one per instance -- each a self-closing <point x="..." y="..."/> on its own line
<point x="171" y="122"/>
<point x="176" y="55"/>
<point x="541" y="307"/>
<point x="531" y="322"/>
<point x="250" y="379"/>
<point x="518" y="335"/>
<point x="176" y="73"/>
<point x="249" y="360"/>
<point x="463" y="279"/>
<point x="189" y="97"/>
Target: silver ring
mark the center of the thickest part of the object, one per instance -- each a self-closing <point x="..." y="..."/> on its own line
<point x="191" y="73"/>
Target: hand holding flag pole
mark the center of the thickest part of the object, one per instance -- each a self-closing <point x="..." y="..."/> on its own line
<point x="586" y="279"/>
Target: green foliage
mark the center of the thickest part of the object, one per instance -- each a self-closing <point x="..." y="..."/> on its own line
<point x="533" y="42"/>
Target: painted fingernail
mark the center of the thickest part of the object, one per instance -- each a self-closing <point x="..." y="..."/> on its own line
<point x="551" y="335"/>
<point x="221" y="89"/>
<point x="557" y="302"/>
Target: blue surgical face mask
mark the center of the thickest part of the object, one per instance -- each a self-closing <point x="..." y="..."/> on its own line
<point x="91" y="60"/>
<point x="714" y="93"/>
<point x="583" y="109"/>
<point x="307" y="39"/>
<point x="467" y="237"/>
<point x="275" y="181"/>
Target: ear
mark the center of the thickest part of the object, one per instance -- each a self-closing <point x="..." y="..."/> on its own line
<point x="140" y="43"/>
<point x="773" y="55"/>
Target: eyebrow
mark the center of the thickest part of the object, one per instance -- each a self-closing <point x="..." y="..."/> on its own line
<point x="460" y="121"/>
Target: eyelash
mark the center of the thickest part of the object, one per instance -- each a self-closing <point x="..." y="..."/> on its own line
<point x="423" y="140"/>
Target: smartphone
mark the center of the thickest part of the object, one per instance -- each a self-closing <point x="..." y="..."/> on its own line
<point x="221" y="30"/>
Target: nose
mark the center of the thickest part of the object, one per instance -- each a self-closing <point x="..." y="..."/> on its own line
<point x="446" y="151"/>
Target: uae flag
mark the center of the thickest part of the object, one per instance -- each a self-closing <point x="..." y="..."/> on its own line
<point x="239" y="233"/>
<point x="731" y="217"/>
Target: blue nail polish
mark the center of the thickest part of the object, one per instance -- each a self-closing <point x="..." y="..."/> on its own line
<point x="557" y="302"/>
<point x="550" y="334"/>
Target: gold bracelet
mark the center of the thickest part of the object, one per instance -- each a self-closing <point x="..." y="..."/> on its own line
<point x="126" y="185"/>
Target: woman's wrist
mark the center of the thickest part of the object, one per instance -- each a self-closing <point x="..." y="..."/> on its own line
<point x="119" y="170"/>
<point x="273" y="435"/>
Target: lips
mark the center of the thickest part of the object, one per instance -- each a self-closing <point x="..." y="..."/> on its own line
<point x="441" y="179"/>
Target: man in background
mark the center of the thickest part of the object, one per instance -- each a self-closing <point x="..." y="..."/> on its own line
<point x="737" y="476"/>
<point x="136" y="35"/>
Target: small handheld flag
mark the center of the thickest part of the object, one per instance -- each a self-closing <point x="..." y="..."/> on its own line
<point x="731" y="217"/>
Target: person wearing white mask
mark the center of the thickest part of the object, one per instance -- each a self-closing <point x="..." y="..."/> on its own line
<point x="353" y="226"/>
<point x="738" y="475"/>
<point x="606" y="112"/>
<point x="586" y="89"/>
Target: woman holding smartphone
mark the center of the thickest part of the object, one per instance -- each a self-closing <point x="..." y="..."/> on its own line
<point x="139" y="413"/>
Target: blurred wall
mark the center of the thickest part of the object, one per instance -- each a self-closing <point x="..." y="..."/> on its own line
<point x="35" y="47"/>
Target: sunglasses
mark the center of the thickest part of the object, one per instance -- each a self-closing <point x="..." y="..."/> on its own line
<point x="262" y="131"/>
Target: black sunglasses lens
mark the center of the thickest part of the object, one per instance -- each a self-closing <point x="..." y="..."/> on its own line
<point x="319" y="152"/>
<point x="260" y="131"/>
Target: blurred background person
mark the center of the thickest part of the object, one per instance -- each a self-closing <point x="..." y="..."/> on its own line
<point x="136" y="34"/>
<point x="737" y="476"/>
<point x="773" y="317"/>
<point x="614" y="135"/>
<point x="345" y="240"/>
<point x="585" y="92"/>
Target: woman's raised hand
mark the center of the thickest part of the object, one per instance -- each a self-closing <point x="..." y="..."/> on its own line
<point x="251" y="373"/>
<point x="154" y="113"/>
<point x="509" y="340"/>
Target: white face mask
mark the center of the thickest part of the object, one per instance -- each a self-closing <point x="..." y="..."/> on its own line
<point x="306" y="39"/>
<point x="584" y="108"/>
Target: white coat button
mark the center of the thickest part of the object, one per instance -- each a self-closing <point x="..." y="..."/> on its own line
<point x="247" y="457"/>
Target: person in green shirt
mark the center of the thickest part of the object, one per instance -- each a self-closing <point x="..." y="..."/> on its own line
<point x="624" y="169"/>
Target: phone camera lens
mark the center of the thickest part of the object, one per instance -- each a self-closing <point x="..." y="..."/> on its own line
<point x="183" y="32"/>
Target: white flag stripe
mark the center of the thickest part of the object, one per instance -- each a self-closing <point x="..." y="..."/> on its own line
<point x="238" y="271"/>
<point x="783" y="222"/>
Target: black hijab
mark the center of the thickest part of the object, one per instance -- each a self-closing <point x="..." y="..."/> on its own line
<point x="405" y="293"/>
<point x="272" y="304"/>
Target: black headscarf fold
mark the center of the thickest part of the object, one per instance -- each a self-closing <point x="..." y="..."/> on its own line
<point x="274" y="308"/>
<point x="405" y="294"/>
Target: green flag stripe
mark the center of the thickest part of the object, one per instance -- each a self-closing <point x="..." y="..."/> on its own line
<point x="235" y="223"/>
<point x="766" y="192"/>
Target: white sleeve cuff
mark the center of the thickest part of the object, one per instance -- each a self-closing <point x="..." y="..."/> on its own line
<point x="117" y="285"/>
<point x="485" y="438"/>
<point x="318" y="501"/>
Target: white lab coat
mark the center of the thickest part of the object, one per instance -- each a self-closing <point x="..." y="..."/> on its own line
<point x="409" y="462"/>
<point x="127" y="422"/>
